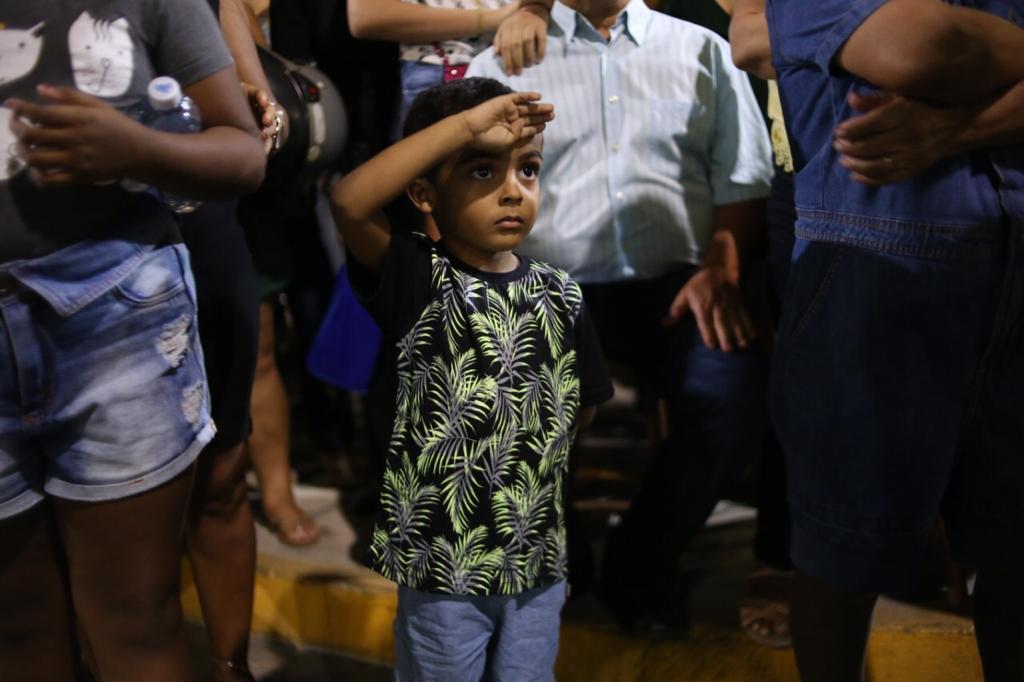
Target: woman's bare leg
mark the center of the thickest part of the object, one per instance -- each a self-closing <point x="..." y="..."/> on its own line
<point x="269" y="443"/>
<point x="124" y="563"/>
<point x="35" y="628"/>
<point x="221" y="544"/>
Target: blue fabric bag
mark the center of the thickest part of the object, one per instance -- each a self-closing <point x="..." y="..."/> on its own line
<point x="344" y="352"/>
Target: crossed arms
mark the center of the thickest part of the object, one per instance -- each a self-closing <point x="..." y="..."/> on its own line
<point x="952" y="78"/>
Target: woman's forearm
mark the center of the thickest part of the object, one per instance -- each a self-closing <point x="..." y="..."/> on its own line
<point x="225" y="160"/>
<point x="998" y="124"/>
<point x="238" y="35"/>
<point x="934" y="51"/>
<point x="221" y="162"/>
<point x="407" y="23"/>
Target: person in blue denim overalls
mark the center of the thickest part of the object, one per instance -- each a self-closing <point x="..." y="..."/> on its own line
<point x="103" y="399"/>
<point x="899" y="374"/>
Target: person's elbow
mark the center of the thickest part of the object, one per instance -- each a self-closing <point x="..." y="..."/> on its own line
<point x="252" y="167"/>
<point x="923" y="62"/>
<point x="234" y="168"/>
<point x="360" y="21"/>
<point x="248" y="164"/>
<point x="345" y="210"/>
<point x="937" y="58"/>
<point x="753" y="59"/>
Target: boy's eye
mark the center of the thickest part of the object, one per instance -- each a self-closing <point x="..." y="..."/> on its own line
<point x="481" y="172"/>
<point x="531" y="170"/>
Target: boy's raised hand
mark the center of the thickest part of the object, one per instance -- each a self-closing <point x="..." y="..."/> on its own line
<point x="505" y="121"/>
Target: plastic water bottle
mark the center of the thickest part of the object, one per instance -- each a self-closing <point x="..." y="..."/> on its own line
<point x="166" y="108"/>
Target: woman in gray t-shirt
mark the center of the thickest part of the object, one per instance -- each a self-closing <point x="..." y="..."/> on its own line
<point x="103" y="399"/>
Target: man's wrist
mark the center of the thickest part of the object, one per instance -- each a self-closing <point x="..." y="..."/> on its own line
<point x="540" y="8"/>
<point x="723" y="255"/>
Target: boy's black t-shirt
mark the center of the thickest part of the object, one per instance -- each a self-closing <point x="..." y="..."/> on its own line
<point x="492" y="371"/>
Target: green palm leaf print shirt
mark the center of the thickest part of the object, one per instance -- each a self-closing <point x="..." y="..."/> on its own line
<point x="493" y="369"/>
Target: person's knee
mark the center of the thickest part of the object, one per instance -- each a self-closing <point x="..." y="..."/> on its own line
<point x="148" y="616"/>
<point x="224" y="490"/>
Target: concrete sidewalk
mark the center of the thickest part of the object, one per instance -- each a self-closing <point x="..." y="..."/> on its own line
<point x="319" y="615"/>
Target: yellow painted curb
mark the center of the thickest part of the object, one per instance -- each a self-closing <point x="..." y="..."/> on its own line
<point x="352" y="614"/>
<point x="320" y="611"/>
<point x="728" y="656"/>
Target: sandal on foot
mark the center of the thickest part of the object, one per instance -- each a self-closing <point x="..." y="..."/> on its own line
<point x="238" y="671"/>
<point x="764" y="609"/>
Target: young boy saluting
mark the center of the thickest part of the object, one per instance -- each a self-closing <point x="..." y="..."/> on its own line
<point x="498" y="365"/>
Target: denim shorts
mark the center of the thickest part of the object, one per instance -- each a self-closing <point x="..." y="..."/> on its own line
<point x="898" y="395"/>
<point x="454" y="638"/>
<point x="108" y="401"/>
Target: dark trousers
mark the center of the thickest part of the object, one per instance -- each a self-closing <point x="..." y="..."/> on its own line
<point x="718" y="418"/>
<point x="771" y="544"/>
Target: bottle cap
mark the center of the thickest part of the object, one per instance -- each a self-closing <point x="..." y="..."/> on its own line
<point x="164" y="93"/>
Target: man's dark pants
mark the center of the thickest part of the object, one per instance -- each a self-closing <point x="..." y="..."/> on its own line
<point x="717" y="420"/>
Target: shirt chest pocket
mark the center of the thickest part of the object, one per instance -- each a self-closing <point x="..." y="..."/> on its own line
<point x="675" y="134"/>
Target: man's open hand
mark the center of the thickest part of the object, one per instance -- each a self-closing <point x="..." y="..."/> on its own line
<point x="714" y="298"/>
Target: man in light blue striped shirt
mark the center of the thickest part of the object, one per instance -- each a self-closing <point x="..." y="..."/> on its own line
<point x="655" y="171"/>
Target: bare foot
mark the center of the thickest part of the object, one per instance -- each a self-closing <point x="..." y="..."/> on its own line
<point x="293" y="526"/>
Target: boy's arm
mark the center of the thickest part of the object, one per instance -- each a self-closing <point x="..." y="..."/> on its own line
<point x="585" y="417"/>
<point x="595" y="384"/>
<point x="358" y="199"/>
<point x="77" y="139"/>
<point x="935" y="51"/>
<point x="410" y="23"/>
<point x="522" y="39"/>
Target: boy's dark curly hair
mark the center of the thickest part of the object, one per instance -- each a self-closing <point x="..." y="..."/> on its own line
<point x="447" y="99"/>
<point x="429" y="107"/>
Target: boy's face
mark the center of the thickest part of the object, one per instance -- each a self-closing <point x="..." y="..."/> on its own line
<point x="486" y="201"/>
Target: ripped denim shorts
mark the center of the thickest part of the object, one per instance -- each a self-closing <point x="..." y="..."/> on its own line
<point x="105" y="400"/>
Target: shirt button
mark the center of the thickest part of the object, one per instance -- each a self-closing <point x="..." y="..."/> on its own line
<point x="620" y="195"/>
<point x="615" y="147"/>
<point x="613" y="99"/>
